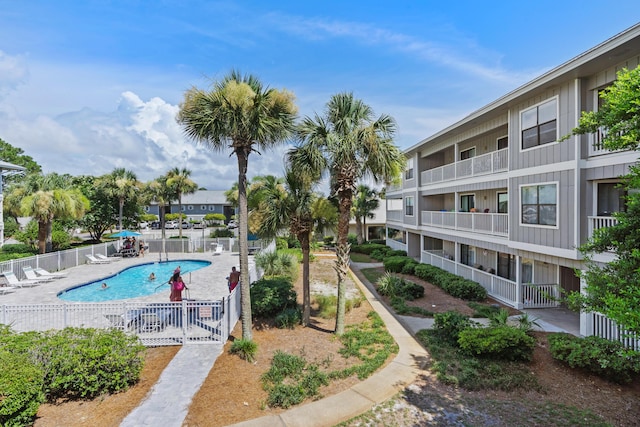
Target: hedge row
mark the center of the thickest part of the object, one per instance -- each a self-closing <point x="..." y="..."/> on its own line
<point x="456" y="286"/>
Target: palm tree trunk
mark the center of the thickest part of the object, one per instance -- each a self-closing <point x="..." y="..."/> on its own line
<point x="42" y="237"/>
<point x="365" y="235"/>
<point x="245" y="290"/>
<point x="306" y="289"/>
<point x="342" y="252"/>
<point x="121" y="208"/>
<point x="359" y="229"/>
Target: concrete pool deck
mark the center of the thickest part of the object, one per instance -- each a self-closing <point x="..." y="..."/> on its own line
<point x="207" y="283"/>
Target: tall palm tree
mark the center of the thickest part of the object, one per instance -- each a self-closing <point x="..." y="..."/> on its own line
<point x="260" y="188"/>
<point x="242" y="115"/>
<point x="178" y="180"/>
<point x="350" y="144"/>
<point x="159" y="191"/>
<point x="365" y="202"/>
<point x="325" y="215"/>
<point x="123" y="185"/>
<point x="45" y="198"/>
<point x="291" y="207"/>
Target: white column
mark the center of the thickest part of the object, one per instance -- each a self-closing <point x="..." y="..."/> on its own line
<point x="519" y="282"/>
<point x="586" y="319"/>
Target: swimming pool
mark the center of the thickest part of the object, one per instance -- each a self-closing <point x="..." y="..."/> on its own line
<point x="131" y="282"/>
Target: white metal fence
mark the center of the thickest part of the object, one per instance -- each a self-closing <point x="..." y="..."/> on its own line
<point x="156" y="324"/>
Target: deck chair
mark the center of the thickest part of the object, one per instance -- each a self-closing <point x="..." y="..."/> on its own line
<point x="150" y="322"/>
<point x="44" y="273"/>
<point x="14" y="281"/>
<point x="94" y="260"/>
<point x="31" y="275"/>
<point x="116" y="321"/>
<point x="106" y="258"/>
<point x="5" y="289"/>
<point x="218" y="250"/>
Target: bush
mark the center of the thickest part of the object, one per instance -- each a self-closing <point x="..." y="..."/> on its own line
<point x="608" y="359"/>
<point x="428" y="272"/>
<point x="19" y="248"/>
<point x="272" y="296"/>
<point x="367" y="248"/>
<point x="394" y="264"/>
<point x="462" y="288"/>
<point x="409" y="267"/>
<point x="327" y="240"/>
<point x="221" y="232"/>
<point x="281" y="243"/>
<point x="379" y="254"/>
<point x="289" y="318"/>
<point x="277" y="263"/>
<point x="20" y="388"/>
<point x="245" y="349"/>
<point x="448" y="325"/>
<point x="392" y="286"/>
<point x="396" y="252"/>
<point x="88" y="362"/>
<point x="502" y="342"/>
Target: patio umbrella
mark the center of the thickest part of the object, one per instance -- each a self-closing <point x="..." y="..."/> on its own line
<point x="125" y="233"/>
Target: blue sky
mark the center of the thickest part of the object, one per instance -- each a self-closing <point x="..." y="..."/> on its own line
<point x="87" y="86"/>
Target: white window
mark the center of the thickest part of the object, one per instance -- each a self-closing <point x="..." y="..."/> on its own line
<point x="408" y="206"/>
<point x="539" y="204"/>
<point x="539" y="124"/>
<point x="503" y="142"/>
<point x="190" y="207"/>
<point x="408" y="173"/>
<point x="183" y="208"/>
<point x="212" y="208"/>
<point x="203" y="207"/>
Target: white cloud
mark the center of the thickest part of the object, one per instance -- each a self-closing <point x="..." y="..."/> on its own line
<point x="13" y="71"/>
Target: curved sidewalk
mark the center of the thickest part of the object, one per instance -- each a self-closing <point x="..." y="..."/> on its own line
<point x="381" y="386"/>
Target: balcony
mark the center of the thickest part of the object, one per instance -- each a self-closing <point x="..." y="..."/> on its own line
<point x="496" y="224"/>
<point x="486" y="164"/>
<point x="597" y="222"/>
<point x="396" y="216"/>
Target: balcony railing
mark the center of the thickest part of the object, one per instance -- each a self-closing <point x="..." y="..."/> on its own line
<point x="395" y="216"/>
<point x="596" y="147"/>
<point x="477" y="222"/>
<point x="597" y="222"/>
<point x="496" y="161"/>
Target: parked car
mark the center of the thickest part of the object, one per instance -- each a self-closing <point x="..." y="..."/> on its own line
<point x="155" y="225"/>
<point x="199" y="225"/>
<point x="184" y="225"/>
<point x="171" y="225"/>
<point x="232" y="224"/>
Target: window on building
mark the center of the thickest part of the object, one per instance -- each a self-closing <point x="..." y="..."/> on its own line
<point x="212" y="208"/>
<point x="395" y="234"/>
<point x="467" y="255"/>
<point x="408" y="173"/>
<point x="190" y="207"/>
<point x="526" y="271"/>
<point x="539" y="204"/>
<point x="467" y="202"/>
<point x="408" y="206"/>
<point x="203" y="207"/>
<point x="183" y="208"/>
<point x="503" y="142"/>
<point x="507" y="266"/>
<point x="611" y="198"/>
<point x="503" y="202"/>
<point x="539" y="125"/>
<point x="467" y="154"/>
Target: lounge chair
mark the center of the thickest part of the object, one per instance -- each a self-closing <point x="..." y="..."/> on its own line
<point x="218" y="250"/>
<point x="116" y="321"/>
<point x="94" y="260"/>
<point x="44" y="273"/>
<point x="31" y="275"/>
<point x="106" y="258"/>
<point x="5" y="289"/>
<point x="14" y="281"/>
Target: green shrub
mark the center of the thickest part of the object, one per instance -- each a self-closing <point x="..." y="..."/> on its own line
<point x="394" y="264"/>
<point x="409" y="267"/>
<point x="392" y="286"/>
<point x="396" y="252"/>
<point x="501" y="342"/>
<point x="17" y="248"/>
<point x="277" y="263"/>
<point x="448" y="325"/>
<point x="85" y="362"/>
<point x="379" y="254"/>
<point x="288" y="318"/>
<point x="221" y="232"/>
<point x="428" y="272"/>
<point x="608" y="359"/>
<point x="281" y="243"/>
<point x="272" y="296"/>
<point x="367" y="248"/>
<point x="20" y="389"/>
<point x="327" y="240"/>
<point x="245" y="349"/>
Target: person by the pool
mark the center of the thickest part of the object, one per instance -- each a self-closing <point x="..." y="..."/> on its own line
<point x="152" y="276"/>
<point x="177" y="286"/>
<point x="104" y="286"/>
<point x="234" y="278"/>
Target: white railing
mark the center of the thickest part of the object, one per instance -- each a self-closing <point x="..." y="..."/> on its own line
<point x="496" y="161"/>
<point x="597" y="222"/>
<point x="156" y="324"/>
<point x="395" y="216"/>
<point x="540" y="295"/>
<point x="395" y="245"/>
<point x="487" y="223"/>
<point x="601" y="326"/>
<point x="596" y="145"/>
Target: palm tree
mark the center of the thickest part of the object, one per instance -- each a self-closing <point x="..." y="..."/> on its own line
<point x="123" y="185"/>
<point x="45" y="198"/>
<point x="351" y="145"/>
<point x="365" y="202"/>
<point x="178" y="180"/>
<point x="291" y="206"/>
<point x="325" y="215"/>
<point x="240" y="114"/>
<point x="260" y="188"/>
<point x="159" y="191"/>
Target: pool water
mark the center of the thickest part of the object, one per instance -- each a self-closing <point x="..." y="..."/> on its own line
<point x="132" y="282"/>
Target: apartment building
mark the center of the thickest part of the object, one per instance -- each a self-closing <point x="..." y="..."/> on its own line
<point x="498" y="199"/>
